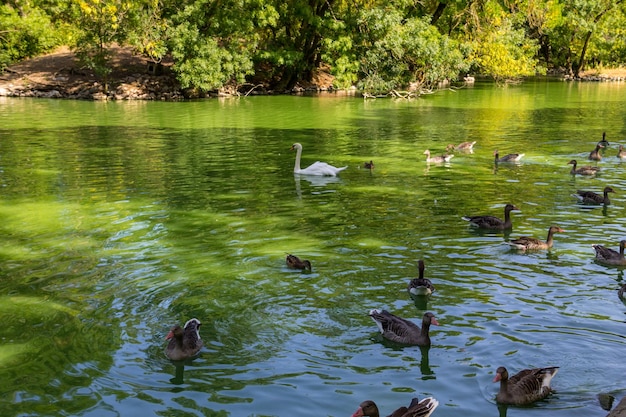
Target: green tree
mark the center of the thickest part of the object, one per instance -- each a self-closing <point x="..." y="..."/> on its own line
<point x="396" y="52"/>
<point x="24" y="32"/>
<point x="214" y="43"/>
<point x="100" y="24"/>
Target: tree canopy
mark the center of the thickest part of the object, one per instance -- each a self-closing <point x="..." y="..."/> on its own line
<point x="374" y="45"/>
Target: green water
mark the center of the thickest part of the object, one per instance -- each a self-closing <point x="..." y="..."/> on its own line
<point x="121" y="219"/>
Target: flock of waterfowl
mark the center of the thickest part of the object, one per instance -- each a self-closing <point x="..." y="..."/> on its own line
<point x="523" y="388"/>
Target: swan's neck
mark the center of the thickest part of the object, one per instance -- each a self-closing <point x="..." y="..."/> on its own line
<point x="296" y="167"/>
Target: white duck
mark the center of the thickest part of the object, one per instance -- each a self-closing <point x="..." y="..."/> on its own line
<point x="317" y="168"/>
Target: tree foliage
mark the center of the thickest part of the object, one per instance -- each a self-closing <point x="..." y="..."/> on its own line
<point x="374" y="44"/>
<point x="24" y="32"/>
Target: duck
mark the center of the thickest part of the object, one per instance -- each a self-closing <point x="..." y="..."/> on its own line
<point x="420" y="285"/>
<point x="463" y="146"/>
<point x="595" y="154"/>
<point x="403" y="331"/>
<point x="525" y="387"/>
<point x="417" y="408"/>
<point x="317" y="168"/>
<point x="512" y="157"/>
<point x="492" y="222"/>
<point x="589" y="197"/>
<point x="531" y="243"/>
<point x="185" y="342"/>
<point x="294" y="262"/>
<point x="621" y="154"/>
<point x="437" y="159"/>
<point x="609" y="256"/>
<point x="369" y="165"/>
<point x="584" y="170"/>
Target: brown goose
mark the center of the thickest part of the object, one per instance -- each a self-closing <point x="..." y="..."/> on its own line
<point x="525" y="387"/>
<point x="463" y="146"/>
<point x="585" y="170"/>
<point x="420" y="285"/>
<point x="609" y="256"/>
<point x="417" y="408"/>
<point x="589" y="197"/>
<point x="492" y="222"/>
<point x="296" y="263"/>
<point x="184" y="343"/>
<point x="531" y="243"/>
<point x="369" y="165"/>
<point x="403" y="331"/>
<point x="512" y="157"/>
<point x="437" y="159"/>
<point x="621" y="154"/>
<point x="595" y="154"/>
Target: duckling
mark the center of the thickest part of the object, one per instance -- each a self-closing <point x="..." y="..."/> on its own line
<point x="296" y="263"/>
<point x="589" y="197"/>
<point x="621" y="154"/>
<point x="595" y="154"/>
<point x="531" y="243"/>
<point x="512" y="157"/>
<point x="584" y="170"/>
<point x="437" y="159"/>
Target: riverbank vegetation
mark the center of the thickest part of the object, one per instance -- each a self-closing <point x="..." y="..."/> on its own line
<point x="374" y="45"/>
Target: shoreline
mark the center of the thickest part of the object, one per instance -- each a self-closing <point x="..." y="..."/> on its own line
<point x="133" y="77"/>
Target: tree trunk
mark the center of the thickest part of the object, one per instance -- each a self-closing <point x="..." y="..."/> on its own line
<point x="438" y="12"/>
<point x="581" y="62"/>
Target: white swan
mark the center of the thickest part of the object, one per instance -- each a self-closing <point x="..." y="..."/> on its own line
<point x="317" y="168"/>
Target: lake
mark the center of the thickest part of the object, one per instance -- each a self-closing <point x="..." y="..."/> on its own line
<point x="121" y="219"/>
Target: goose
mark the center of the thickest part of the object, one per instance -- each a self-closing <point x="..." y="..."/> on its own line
<point x="609" y="256"/>
<point x="621" y="154"/>
<point x="589" y="197"/>
<point x="185" y="342"/>
<point x="417" y="408"/>
<point x="317" y="168"/>
<point x="420" y="285"/>
<point x="525" y="387"/>
<point x="369" y="165"/>
<point x="604" y="142"/>
<point x="403" y="331"/>
<point x="584" y="170"/>
<point x="437" y="159"/>
<point x="595" y="154"/>
<point x="492" y="222"/>
<point x="463" y="146"/>
<point x="512" y="157"/>
<point x="296" y="263"/>
<point x="531" y="243"/>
